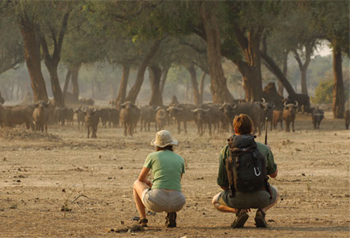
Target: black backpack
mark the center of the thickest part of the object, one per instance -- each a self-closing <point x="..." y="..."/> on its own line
<point x="245" y="166"/>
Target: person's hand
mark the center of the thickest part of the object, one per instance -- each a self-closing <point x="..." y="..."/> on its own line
<point x="224" y="188"/>
<point x="149" y="184"/>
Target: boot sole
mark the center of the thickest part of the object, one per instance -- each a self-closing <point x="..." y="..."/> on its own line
<point x="239" y="223"/>
<point x="260" y="222"/>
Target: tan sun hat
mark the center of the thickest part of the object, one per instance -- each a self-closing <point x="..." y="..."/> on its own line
<point x="163" y="138"/>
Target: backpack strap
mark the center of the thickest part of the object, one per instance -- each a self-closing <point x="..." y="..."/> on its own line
<point x="229" y="165"/>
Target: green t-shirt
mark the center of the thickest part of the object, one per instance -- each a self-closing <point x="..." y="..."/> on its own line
<point x="167" y="168"/>
<point x="264" y="150"/>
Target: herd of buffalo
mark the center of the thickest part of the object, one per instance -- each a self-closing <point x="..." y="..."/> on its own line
<point x="215" y="118"/>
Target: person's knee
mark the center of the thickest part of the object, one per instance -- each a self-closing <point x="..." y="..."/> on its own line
<point x="136" y="182"/>
<point x="215" y="201"/>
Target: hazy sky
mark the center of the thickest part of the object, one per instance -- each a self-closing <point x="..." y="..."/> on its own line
<point x="324" y="50"/>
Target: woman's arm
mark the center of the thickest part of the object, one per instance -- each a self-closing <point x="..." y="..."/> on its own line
<point x="143" y="176"/>
<point x="274" y="175"/>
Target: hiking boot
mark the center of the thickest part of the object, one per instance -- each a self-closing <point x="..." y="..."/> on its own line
<point x="260" y="219"/>
<point x="143" y="222"/>
<point x="170" y="219"/>
<point x="241" y="218"/>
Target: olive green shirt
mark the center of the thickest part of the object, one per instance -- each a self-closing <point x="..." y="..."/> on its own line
<point x="167" y="168"/>
<point x="264" y="150"/>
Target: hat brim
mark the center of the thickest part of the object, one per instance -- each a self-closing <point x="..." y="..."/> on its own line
<point x="154" y="143"/>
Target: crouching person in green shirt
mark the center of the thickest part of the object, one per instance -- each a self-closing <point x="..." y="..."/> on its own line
<point x="232" y="200"/>
<point x="164" y="193"/>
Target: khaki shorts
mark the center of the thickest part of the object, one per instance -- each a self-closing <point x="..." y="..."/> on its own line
<point x="160" y="200"/>
<point x="258" y="199"/>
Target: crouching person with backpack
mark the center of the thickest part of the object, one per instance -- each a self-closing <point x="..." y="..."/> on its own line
<point x="244" y="169"/>
<point x="164" y="194"/>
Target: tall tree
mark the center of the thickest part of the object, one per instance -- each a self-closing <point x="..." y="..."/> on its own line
<point x="219" y="88"/>
<point x="332" y="19"/>
<point x="53" y="30"/>
<point x="84" y="43"/>
<point x="28" y="24"/>
<point x="123" y="86"/>
<point x="243" y="24"/>
<point x="134" y="91"/>
<point x="155" y="74"/>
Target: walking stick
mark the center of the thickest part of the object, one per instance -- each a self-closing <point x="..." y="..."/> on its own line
<point x="267" y="184"/>
<point x="265" y="130"/>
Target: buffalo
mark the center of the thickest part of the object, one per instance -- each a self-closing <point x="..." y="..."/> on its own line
<point x="17" y="115"/>
<point x="202" y="118"/>
<point x="267" y="114"/>
<point x="277" y="117"/>
<point x="289" y="113"/>
<point x="104" y="115"/>
<point x="217" y="117"/>
<point x="91" y="122"/>
<point x="69" y="115"/>
<point x="229" y="114"/>
<point x="161" y="118"/>
<point x="303" y="101"/>
<point x="253" y="110"/>
<point x="147" y="115"/>
<point x="63" y="115"/>
<point x="317" y="116"/>
<point x="129" y="115"/>
<point x="113" y="117"/>
<point x="80" y="116"/>
<point x="181" y="113"/>
<point x="271" y="96"/>
<point x="41" y="115"/>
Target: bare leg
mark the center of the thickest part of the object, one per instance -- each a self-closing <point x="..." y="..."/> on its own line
<point x="139" y="187"/>
<point x="220" y="207"/>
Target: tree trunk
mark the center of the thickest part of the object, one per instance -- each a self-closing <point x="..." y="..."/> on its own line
<point x="218" y="81"/>
<point x="55" y="84"/>
<point x="66" y="83"/>
<point x="32" y="58"/>
<point x="251" y="68"/>
<point x="51" y="62"/>
<point x="304" y="66"/>
<point x="338" y="88"/>
<point x="272" y="66"/>
<point x="155" y="73"/>
<point x="134" y="91"/>
<point x="194" y="82"/>
<point x="284" y="71"/>
<point x="163" y="79"/>
<point x="123" y="86"/>
<point x="75" y="85"/>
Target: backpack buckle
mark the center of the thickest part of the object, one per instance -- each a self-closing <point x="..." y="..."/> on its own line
<point x="257" y="171"/>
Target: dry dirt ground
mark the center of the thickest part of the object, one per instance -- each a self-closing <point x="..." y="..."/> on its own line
<point x="91" y="181"/>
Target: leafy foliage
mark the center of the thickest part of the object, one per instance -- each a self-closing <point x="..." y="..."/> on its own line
<point x="324" y="92"/>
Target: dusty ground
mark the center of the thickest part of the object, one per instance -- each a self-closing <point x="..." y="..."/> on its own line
<point x="91" y="179"/>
